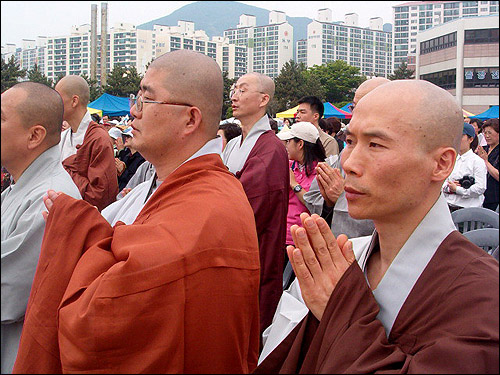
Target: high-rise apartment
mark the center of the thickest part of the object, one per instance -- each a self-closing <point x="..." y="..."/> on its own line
<point x="369" y="49"/>
<point x="269" y="46"/>
<point x="413" y="17"/>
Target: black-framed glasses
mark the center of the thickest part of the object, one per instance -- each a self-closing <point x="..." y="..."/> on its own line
<point x="139" y="102"/>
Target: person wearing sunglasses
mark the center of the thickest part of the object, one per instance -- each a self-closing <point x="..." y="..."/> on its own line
<point x="173" y="289"/>
<point x="259" y="160"/>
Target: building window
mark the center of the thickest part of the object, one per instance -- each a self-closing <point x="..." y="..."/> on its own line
<point x="436" y="44"/>
<point x="445" y="79"/>
<point x="481" y="36"/>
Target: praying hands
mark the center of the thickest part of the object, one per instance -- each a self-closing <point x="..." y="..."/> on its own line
<point x="319" y="260"/>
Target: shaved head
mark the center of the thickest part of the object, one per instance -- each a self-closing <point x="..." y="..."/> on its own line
<point x="265" y="83"/>
<point x="75" y="85"/>
<point x="41" y="105"/>
<point x="423" y="107"/>
<point x="194" y="78"/>
<point x="367" y="86"/>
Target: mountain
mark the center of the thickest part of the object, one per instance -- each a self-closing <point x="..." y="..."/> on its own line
<point x="216" y="16"/>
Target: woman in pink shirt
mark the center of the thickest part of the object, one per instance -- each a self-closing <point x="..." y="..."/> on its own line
<point x="304" y="151"/>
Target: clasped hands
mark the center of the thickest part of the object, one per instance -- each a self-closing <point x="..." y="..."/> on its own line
<point x="319" y="260"/>
<point x="330" y="183"/>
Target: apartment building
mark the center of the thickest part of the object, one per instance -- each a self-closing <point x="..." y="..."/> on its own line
<point x="269" y="46"/>
<point x="369" y="49"/>
<point x="231" y="58"/>
<point x="30" y="54"/>
<point x="461" y="56"/>
<point x="413" y="17"/>
<point x="70" y="54"/>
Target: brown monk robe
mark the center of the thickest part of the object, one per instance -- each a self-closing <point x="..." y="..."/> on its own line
<point x="175" y="292"/>
<point x="435" y="331"/>
<point x="93" y="168"/>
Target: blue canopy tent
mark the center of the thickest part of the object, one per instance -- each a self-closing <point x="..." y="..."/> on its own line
<point x="111" y="105"/>
<point x="492" y="112"/>
<point x="332" y="111"/>
<point x="346" y="108"/>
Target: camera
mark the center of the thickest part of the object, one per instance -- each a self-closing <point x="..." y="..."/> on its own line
<point x="467" y="181"/>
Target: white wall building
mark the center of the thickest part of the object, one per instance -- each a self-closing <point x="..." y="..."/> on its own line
<point x="269" y="46"/>
<point x="413" y="17"/>
<point x="366" y="48"/>
<point x="231" y="58"/>
<point x="462" y="57"/>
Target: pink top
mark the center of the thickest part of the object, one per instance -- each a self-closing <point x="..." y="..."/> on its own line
<point x="295" y="206"/>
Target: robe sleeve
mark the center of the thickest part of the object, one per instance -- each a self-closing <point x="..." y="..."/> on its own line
<point x="350" y="338"/>
<point x="93" y="170"/>
<point x="20" y="253"/>
<point x="38" y="349"/>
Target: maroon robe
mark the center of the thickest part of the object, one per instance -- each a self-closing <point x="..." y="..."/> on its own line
<point x="448" y="324"/>
<point x="265" y="178"/>
<point x="93" y="167"/>
<point x="175" y="292"/>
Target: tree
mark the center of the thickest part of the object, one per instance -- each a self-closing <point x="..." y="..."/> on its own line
<point x="227" y="110"/>
<point x="338" y="79"/>
<point x="123" y="81"/>
<point x="10" y="73"/>
<point x="35" y="75"/>
<point x="402" y="72"/>
<point x="95" y="89"/>
<point x="292" y="83"/>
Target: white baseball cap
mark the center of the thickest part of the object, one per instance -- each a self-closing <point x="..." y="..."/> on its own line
<point x="302" y="130"/>
<point x="114" y="133"/>
<point x="128" y="132"/>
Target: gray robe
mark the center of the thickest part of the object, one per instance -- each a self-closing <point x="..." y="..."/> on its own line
<point x="21" y="234"/>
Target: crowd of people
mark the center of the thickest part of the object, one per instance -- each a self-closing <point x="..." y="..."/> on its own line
<point x="157" y="244"/>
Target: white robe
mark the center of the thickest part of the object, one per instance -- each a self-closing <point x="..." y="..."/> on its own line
<point x="21" y="235"/>
<point x="236" y="152"/>
<point x="70" y="140"/>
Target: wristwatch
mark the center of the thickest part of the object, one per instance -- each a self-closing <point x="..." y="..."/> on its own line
<point x="297" y="188"/>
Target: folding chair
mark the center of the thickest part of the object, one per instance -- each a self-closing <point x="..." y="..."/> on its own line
<point x="485" y="238"/>
<point x="471" y="218"/>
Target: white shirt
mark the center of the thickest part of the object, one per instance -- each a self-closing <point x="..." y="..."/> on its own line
<point x="472" y="165"/>
<point x="128" y="208"/>
<point x="22" y="230"/>
<point x="70" y="140"/>
<point x="236" y="152"/>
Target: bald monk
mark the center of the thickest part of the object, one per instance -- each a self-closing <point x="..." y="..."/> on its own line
<point x="31" y="129"/>
<point x="176" y="291"/>
<point x="86" y="149"/>
<point x="327" y="189"/>
<point x="420" y="298"/>
<point x="260" y="161"/>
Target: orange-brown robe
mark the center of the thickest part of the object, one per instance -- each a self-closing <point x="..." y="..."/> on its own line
<point x="93" y="167"/>
<point x="448" y="324"/>
<point x="175" y="292"/>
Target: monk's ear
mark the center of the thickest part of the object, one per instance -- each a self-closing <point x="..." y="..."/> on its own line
<point x="265" y="100"/>
<point x="444" y="161"/>
<point x="194" y="120"/>
<point x="37" y="135"/>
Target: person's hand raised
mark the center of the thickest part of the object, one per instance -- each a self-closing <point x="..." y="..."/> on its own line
<point x="319" y="260"/>
<point x="330" y="183"/>
<point x="48" y="200"/>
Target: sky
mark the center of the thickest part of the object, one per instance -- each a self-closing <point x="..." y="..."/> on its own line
<point x="29" y="19"/>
